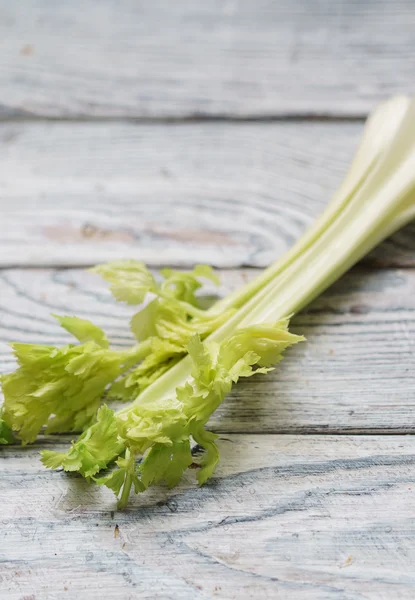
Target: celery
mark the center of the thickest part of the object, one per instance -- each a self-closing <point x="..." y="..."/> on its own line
<point x="187" y="360"/>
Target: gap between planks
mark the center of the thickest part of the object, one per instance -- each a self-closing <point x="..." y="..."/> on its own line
<point x="369" y="263"/>
<point x="57" y="439"/>
<point x="188" y="119"/>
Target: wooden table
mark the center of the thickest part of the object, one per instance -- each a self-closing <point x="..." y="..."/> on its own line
<point x="181" y="132"/>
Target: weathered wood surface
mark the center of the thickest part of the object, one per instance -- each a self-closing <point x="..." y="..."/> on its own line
<point x="288" y="516"/>
<point x="221" y="193"/>
<point x="223" y="57"/>
<point x="354" y="373"/>
<point x="292" y="517"/>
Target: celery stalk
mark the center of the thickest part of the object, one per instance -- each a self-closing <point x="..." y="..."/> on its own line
<point x="379" y="130"/>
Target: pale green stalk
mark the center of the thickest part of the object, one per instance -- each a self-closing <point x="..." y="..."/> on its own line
<point x="379" y="130"/>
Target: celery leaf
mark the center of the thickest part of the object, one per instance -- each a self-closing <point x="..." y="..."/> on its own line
<point x="60" y="388"/>
<point x="93" y="450"/>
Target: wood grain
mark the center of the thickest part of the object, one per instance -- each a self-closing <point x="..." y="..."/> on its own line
<point x="225" y="194"/>
<point x="178" y="59"/>
<point x="293" y="517"/>
<point x="95" y="167"/>
<point x="354" y="373"/>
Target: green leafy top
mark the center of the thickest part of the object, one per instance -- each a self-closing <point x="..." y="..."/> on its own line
<point x="159" y="429"/>
<point x="131" y="281"/>
<point x="83" y="330"/>
<point x="168" y="321"/>
<point x="60" y="388"/>
<point x="94" y="449"/>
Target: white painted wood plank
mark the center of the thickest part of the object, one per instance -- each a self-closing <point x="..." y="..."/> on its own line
<point x="225" y="194"/>
<point x="293" y="517"/>
<point x="354" y="373"/>
<point x="223" y="57"/>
